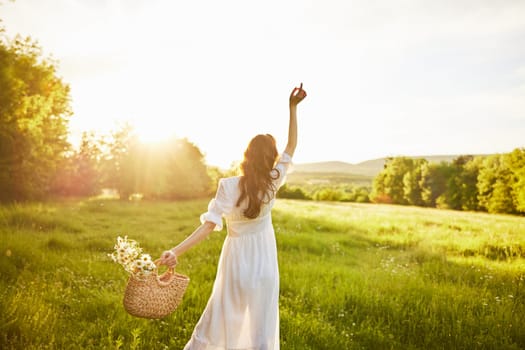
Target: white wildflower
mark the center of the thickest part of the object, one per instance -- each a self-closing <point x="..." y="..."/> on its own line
<point x="129" y="254"/>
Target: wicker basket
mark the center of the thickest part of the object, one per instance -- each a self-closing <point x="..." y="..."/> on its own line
<point x="155" y="296"/>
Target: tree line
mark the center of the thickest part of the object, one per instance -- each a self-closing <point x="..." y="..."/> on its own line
<point x="37" y="161"/>
<point x="343" y="192"/>
<point x="173" y="169"/>
<point x="494" y="183"/>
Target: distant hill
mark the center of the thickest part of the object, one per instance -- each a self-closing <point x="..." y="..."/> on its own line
<point x="366" y="168"/>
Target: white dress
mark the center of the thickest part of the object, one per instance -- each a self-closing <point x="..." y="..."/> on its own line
<point x="242" y="312"/>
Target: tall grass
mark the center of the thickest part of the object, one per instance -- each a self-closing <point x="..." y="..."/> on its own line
<point x="352" y="276"/>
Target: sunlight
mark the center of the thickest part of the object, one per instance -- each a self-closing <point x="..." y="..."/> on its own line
<point x="153" y="132"/>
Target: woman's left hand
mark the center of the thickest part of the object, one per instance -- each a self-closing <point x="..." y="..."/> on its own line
<point x="168" y="258"/>
<point x="297" y="95"/>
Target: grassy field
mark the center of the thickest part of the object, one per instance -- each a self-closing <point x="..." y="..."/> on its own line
<point x="352" y="276"/>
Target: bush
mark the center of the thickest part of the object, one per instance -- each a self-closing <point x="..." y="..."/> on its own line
<point x="329" y="194"/>
<point x="292" y="192"/>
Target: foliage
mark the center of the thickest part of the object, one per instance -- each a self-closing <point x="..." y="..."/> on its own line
<point x="466" y="183"/>
<point x="412" y="191"/>
<point x="395" y="170"/>
<point x="461" y="191"/>
<point x="516" y="163"/>
<point x="121" y="161"/>
<point x="188" y="176"/>
<point x="327" y="187"/>
<point x="292" y="192"/>
<point x="359" y="195"/>
<point x="495" y="183"/>
<point x="34" y="111"/>
<point x="353" y="276"/>
<point x="215" y="174"/>
<point x="326" y="192"/>
<point x="399" y="181"/>
<point x="79" y="174"/>
<point x="342" y="193"/>
<point x="433" y="182"/>
<point x="495" y="186"/>
<point x="173" y="169"/>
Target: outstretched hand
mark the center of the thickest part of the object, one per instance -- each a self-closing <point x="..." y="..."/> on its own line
<point x="297" y="95"/>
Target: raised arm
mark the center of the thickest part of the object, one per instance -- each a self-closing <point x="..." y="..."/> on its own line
<point x="297" y="95"/>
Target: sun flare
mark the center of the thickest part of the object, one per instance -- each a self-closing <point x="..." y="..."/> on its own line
<point x="153" y="132"/>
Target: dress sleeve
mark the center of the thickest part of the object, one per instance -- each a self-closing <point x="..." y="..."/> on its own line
<point x="217" y="207"/>
<point x="283" y="166"/>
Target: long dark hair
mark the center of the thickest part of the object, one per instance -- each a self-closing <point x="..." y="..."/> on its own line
<point x="256" y="182"/>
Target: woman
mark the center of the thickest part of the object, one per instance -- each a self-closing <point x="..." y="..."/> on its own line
<point x="243" y="311"/>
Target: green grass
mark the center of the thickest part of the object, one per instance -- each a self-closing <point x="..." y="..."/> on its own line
<point x="352" y="276"/>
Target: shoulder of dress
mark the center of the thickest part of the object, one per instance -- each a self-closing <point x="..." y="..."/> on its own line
<point x="230" y="182"/>
<point x="285" y="158"/>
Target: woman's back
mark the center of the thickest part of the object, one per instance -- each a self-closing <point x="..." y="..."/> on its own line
<point x="225" y="203"/>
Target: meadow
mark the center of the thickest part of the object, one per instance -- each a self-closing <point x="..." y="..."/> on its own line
<point x="353" y="276"/>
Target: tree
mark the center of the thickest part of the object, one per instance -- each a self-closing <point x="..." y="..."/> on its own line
<point x="433" y="182"/>
<point x="461" y="191"/>
<point x="329" y="194"/>
<point x="292" y="192"/>
<point x="411" y="183"/>
<point x="79" y="174"/>
<point x="395" y="172"/>
<point x="516" y="163"/>
<point x="187" y="176"/>
<point x="495" y="185"/>
<point x="173" y="169"/>
<point x="121" y="161"/>
<point x="468" y="183"/>
<point x="388" y="185"/>
<point x="87" y="164"/>
<point x="378" y="194"/>
<point x="361" y="194"/>
<point x="34" y="115"/>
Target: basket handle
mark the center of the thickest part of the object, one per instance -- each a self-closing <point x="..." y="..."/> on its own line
<point x="170" y="273"/>
<point x="158" y="263"/>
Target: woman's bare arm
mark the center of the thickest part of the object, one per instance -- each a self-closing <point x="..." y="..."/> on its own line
<point x="297" y="95"/>
<point x="169" y="257"/>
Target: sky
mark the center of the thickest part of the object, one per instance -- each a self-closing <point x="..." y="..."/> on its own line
<point x="383" y="77"/>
